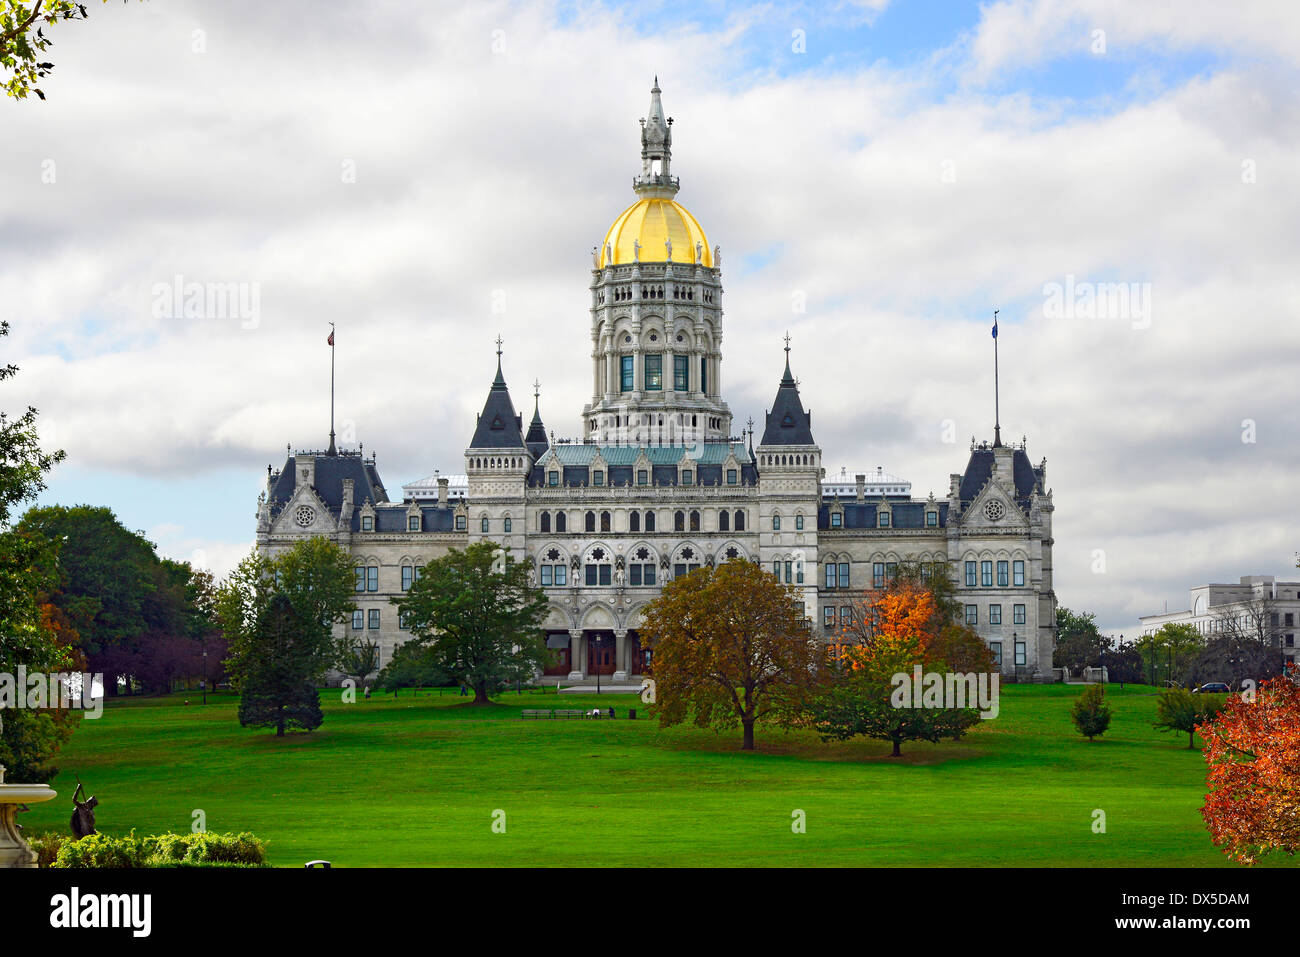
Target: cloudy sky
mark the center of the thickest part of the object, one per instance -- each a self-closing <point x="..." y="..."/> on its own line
<point x="879" y="175"/>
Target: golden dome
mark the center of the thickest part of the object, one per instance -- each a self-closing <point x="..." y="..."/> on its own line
<point x="654" y="221"/>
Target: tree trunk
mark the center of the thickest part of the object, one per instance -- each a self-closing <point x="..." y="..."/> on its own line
<point x="898" y="748"/>
<point x="1191" y="740"/>
<point x="748" y="744"/>
<point x="480" y="694"/>
<point x="279" y="724"/>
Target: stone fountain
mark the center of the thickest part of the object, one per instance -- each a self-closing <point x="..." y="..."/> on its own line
<point x="14" y="851"/>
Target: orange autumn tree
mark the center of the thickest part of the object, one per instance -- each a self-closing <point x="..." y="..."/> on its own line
<point x="908" y="623"/>
<point x="1252" y="807"/>
<point x="913" y="611"/>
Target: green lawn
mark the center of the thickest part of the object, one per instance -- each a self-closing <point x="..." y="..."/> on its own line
<point x="415" y="781"/>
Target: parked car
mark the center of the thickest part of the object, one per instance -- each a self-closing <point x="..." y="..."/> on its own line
<point x="1212" y="687"/>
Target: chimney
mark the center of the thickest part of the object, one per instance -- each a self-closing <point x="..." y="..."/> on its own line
<point x="862" y="487"/>
<point x="348" y="486"/>
<point x="442" y="492"/>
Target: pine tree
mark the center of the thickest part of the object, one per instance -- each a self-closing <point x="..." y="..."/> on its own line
<point x="275" y="692"/>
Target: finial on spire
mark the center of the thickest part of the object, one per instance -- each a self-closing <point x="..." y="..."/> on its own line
<point x="787" y="344"/>
<point x="997" y="411"/>
<point x="537" y="388"/>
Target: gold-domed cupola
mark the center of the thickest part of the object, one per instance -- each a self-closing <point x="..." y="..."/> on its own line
<point x="656" y="314"/>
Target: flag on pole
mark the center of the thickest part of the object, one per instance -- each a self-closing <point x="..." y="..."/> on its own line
<point x="331" y="338"/>
<point x="995" y="326"/>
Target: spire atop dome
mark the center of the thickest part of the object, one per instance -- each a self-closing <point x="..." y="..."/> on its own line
<point x="656" y="151"/>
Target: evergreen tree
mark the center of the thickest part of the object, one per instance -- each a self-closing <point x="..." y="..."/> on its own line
<point x="1090" y="713"/>
<point x="276" y="692"/>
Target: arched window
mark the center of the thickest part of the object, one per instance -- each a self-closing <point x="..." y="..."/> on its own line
<point x="740" y="521"/>
<point x="649" y="521"/>
<point x="634" y="522"/>
<point x="484" y="524"/>
<point x="776" y="523"/>
<point x="695" y="521"/>
<point x="546" y="521"/>
<point x="591" y="521"/>
<point x="561" y="522"/>
<point x="798" y="522"/>
<point x="724" y="521"/>
<point x="679" y="522"/>
<point x="604" y="521"/>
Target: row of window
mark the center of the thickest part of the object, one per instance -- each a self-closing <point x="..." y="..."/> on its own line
<point x="684" y="477"/>
<point x="1008" y="574"/>
<point x="412" y="523"/>
<point x="884" y="519"/>
<point x="995" y="614"/>
<point x="603" y="521"/>
<point x="369" y="619"/>
<point x="367" y="577"/>
<point x="652" y="379"/>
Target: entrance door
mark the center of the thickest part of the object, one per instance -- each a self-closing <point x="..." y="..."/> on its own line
<point x="600" y="653"/>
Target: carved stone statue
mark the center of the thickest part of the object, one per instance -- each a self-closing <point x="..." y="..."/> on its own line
<point x="699" y="253"/>
<point x="668" y="245"/>
<point x="83" y="817"/>
<point x="636" y="250"/>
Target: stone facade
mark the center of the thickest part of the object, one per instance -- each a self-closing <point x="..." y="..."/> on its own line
<point x="658" y="485"/>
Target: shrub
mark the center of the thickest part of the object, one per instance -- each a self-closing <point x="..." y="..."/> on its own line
<point x="162" y="850"/>
<point x="46" y="847"/>
<point x="1091" y="714"/>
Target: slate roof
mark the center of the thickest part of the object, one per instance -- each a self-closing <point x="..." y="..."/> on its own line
<point x="980" y="469"/>
<point x="330" y="472"/>
<point x="575" y="464"/>
<point x="905" y="514"/>
<point x="788" y="423"/>
<point x="499" y="426"/>
<point x="536" y="438"/>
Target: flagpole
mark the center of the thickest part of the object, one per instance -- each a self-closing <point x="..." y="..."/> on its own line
<point x="997" y="410"/>
<point x="332" y="450"/>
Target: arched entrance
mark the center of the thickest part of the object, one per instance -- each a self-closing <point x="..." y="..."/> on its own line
<point x="600" y="652"/>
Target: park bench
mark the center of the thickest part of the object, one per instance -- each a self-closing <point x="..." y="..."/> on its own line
<point x="568" y="713"/>
<point x="535" y="713"/>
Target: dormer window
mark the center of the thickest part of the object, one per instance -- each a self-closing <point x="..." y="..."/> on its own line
<point x="731" y="476"/>
<point x="552" y="478"/>
<point x="931" y="519"/>
<point x="686" y="476"/>
<point x="413" y="523"/>
<point x="598" y="477"/>
<point x="882" y="520"/>
<point x="837" y="519"/>
<point x="367" y="523"/>
<point x="642" y="477"/>
<point x="460" y="523"/>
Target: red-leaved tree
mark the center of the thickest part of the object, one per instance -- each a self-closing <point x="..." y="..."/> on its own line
<point x="1253" y="752"/>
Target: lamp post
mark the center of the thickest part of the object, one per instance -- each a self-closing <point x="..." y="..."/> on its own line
<point x="205" y="672"/>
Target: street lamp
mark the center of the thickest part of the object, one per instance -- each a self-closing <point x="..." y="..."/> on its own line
<point x="205" y="672"/>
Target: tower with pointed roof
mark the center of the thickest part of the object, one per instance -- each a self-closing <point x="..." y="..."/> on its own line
<point x="656" y="314"/>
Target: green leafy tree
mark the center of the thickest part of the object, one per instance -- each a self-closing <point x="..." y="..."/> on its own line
<point x="1170" y="654"/>
<point x="29" y="739"/>
<point x="1178" y="709"/>
<point x="1079" y="643"/>
<point x="731" y="647"/>
<point x="412" y="666"/>
<point x="316" y="577"/>
<point x="1091" y="714"/>
<point x="1123" y="663"/>
<point x="481" y="619"/>
<point x="361" y="660"/>
<point x="277" y="693"/>
<point x="23" y="40"/>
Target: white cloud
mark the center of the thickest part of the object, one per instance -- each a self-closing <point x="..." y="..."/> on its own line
<point x="479" y="172"/>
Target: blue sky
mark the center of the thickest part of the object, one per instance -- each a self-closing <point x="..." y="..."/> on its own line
<point x="494" y="142"/>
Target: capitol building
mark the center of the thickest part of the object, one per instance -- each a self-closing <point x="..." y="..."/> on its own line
<point x="661" y="482"/>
